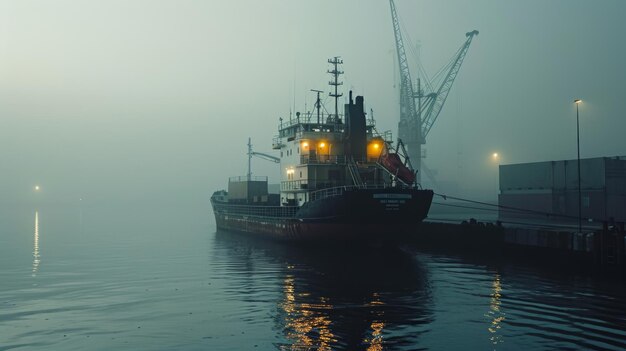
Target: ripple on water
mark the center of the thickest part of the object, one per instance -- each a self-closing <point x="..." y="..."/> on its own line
<point x="185" y="289"/>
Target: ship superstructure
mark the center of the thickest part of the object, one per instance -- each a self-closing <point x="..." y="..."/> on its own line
<point x="316" y="156"/>
<point x="339" y="178"/>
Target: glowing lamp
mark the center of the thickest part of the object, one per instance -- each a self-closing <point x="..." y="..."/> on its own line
<point x="322" y="144"/>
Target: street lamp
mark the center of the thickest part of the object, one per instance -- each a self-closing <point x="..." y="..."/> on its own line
<point x="577" y="102"/>
<point x="496" y="158"/>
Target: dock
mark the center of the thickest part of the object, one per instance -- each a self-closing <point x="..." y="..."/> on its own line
<point x="600" y="247"/>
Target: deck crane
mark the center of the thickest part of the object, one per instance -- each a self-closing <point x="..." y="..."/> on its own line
<point x="259" y="155"/>
<point x="416" y="119"/>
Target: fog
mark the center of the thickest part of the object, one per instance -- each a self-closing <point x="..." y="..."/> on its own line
<point x="154" y="100"/>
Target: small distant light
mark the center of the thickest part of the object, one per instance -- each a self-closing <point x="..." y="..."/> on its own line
<point x="577" y="101"/>
<point x="305" y="144"/>
<point x="37" y="187"/>
<point x="322" y="144"/>
<point x="376" y="146"/>
<point x="495" y="155"/>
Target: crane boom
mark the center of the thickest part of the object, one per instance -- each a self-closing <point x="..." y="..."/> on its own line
<point x="409" y="127"/>
<point x="266" y="157"/>
<point x="435" y="107"/>
<point x="408" y="112"/>
<point x="416" y="121"/>
<point x="257" y="154"/>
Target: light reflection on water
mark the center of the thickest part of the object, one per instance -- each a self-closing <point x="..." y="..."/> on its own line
<point x="376" y="339"/>
<point x="495" y="313"/>
<point x="36" y="255"/>
<point x="340" y="299"/>
<point x="162" y="280"/>
<point x="300" y="320"/>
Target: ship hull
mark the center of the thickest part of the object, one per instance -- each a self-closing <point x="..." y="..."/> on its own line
<point x="378" y="215"/>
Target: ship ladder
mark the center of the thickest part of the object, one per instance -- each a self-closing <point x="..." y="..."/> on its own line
<point x="354" y="172"/>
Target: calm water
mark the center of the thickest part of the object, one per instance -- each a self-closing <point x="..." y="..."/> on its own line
<point x="150" y="278"/>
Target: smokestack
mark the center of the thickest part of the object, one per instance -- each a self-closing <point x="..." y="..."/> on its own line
<point x="356" y="138"/>
<point x="359" y="105"/>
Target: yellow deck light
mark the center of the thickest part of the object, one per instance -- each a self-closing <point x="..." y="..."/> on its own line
<point x="374" y="148"/>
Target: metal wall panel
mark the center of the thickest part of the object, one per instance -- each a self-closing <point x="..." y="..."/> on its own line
<point x="246" y="190"/>
<point x="596" y="205"/>
<point x="238" y="190"/>
<point x="559" y="175"/>
<point x="592" y="174"/>
<point x="536" y="175"/>
<point x="616" y="207"/>
<point x="535" y="204"/>
<point x="616" y="176"/>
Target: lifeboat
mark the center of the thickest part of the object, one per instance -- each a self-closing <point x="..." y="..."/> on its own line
<point x="393" y="163"/>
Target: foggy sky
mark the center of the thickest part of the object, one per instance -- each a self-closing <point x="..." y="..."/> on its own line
<point x="154" y="100"/>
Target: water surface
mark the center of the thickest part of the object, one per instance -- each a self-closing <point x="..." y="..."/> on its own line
<point x="161" y="278"/>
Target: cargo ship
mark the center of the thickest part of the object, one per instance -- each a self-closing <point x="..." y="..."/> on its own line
<point x="341" y="180"/>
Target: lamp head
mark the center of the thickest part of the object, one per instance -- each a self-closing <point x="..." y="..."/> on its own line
<point x="577" y="101"/>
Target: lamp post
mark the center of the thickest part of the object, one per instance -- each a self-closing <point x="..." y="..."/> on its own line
<point x="496" y="158"/>
<point x="577" y="102"/>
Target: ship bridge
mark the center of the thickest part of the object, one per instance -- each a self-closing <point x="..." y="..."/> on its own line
<point x="316" y="156"/>
<point x="322" y="150"/>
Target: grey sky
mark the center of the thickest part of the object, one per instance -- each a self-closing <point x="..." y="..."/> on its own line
<point x="155" y="100"/>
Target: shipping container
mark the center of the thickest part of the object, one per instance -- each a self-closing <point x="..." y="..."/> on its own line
<point x="549" y="190"/>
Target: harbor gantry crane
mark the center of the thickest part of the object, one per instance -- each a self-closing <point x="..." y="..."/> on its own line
<point x="418" y="117"/>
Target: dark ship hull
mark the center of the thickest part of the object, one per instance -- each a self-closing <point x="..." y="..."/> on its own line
<point x="356" y="215"/>
<point x="341" y="180"/>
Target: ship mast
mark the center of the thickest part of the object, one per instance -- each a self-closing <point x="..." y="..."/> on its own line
<point x="318" y="103"/>
<point x="249" y="159"/>
<point x="259" y="155"/>
<point x="335" y="72"/>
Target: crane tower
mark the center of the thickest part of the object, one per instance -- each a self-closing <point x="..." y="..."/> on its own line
<point x="419" y="110"/>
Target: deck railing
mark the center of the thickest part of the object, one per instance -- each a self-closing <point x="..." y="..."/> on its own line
<point x="257" y="211"/>
<point x="307" y="184"/>
<point x="245" y="178"/>
<point x="339" y="190"/>
<point x="288" y="211"/>
<point x="317" y="159"/>
<point x="332" y="159"/>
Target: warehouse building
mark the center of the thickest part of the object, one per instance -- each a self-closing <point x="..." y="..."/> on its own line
<point x="549" y="190"/>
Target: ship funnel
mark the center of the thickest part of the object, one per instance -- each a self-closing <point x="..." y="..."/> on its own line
<point x="356" y="139"/>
